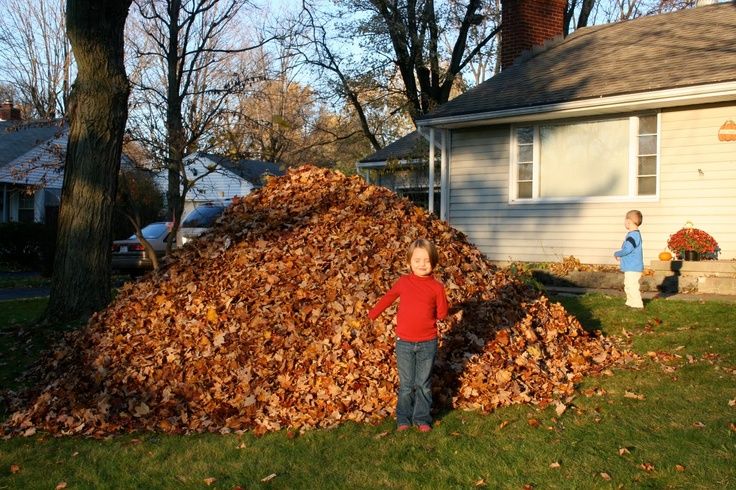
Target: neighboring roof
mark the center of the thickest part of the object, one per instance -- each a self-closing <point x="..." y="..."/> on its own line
<point x="251" y="170"/>
<point x="17" y="137"/>
<point x="410" y="146"/>
<point x="42" y="164"/>
<point x="219" y="185"/>
<point x="681" y="49"/>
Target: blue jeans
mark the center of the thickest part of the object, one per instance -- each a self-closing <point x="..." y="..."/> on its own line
<point x="414" y="361"/>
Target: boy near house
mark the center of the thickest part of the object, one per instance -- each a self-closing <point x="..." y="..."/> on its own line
<point x="631" y="259"/>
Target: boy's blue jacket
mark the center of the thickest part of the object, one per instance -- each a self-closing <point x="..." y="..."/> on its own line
<point x="631" y="253"/>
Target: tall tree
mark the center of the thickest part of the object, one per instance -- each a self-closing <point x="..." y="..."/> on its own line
<point x="98" y="111"/>
<point x="35" y="54"/>
<point x="187" y="47"/>
<point x="416" y="49"/>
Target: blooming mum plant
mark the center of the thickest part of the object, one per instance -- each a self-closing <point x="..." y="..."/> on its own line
<point x="693" y="239"/>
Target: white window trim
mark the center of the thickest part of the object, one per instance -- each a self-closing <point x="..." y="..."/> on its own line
<point x="633" y="172"/>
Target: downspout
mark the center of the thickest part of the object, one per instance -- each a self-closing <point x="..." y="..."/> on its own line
<point x="444" y="174"/>
<point x="430" y="187"/>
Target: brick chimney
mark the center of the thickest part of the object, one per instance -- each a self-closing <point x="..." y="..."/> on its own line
<point x="528" y="23"/>
<point x="8" y="112"/>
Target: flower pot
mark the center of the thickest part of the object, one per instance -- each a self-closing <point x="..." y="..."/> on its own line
<point x="691" y="255"/>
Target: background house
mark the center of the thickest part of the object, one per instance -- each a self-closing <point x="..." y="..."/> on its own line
<point x="219" y="179"/>
<point x="31" y="154"/>
<point x="544" y="159"/>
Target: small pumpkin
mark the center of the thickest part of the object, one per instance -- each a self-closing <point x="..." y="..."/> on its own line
<point x="665" y="255"/>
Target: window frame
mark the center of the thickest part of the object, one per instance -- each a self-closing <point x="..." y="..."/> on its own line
<point x="632" y="171"/>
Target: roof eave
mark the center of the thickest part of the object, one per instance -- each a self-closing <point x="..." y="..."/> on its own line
<point x="683" y="96"/>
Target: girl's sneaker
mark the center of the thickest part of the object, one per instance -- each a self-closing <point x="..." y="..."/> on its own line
<point x="424" y="428"/>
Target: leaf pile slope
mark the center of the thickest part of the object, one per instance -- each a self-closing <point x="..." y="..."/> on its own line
<point x="261" y="324"/>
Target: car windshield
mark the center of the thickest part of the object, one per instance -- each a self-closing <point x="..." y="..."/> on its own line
<point x="203" y="217"/>
<point x="154" y="230"/>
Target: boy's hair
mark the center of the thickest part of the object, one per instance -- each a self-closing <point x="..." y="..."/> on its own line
<point x="434" y="256"/>
<point x="635" y="216"/>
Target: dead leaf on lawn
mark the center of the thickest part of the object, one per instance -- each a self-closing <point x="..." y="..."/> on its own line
<point x="632" y="395"/>
<point x="554" y="465"/>
<point x="732" y="426"/>
<point x="61" y="485"/>
<point x="648" y="467"/>
<point x="622" y="451"/>
<point x="503" y="424"/>
<point x="480" y="483"/>
<point x="209" y="481"/>
<point x="699" y="425"/>
<point x="679" y="467"/>
<point x="381" y="435"/>
<point x="732" y="403"/>
<point x="268" y="478"/>
<point x="533" y="422"/>
<point x="605" y="476"/>
<point x="14" y="468"/>
<point x="560" y="408"/>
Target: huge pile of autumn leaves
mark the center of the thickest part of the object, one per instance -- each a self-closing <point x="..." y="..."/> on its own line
<point x="262" y="324"/>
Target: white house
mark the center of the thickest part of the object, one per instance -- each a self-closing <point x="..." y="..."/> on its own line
<point x="544" y="159"/>
<point x="31" y="175"/>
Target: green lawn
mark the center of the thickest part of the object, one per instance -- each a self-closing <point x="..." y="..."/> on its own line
<point x="669" y="423"/>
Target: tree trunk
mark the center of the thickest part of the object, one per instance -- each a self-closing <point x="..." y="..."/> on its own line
<point x="98" y="112"/>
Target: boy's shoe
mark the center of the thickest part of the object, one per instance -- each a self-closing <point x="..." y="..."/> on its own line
<point x="402" y="428"/>
<point x="425" y="428"/>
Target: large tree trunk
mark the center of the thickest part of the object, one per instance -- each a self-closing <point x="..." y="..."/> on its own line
<point x="98" y="111"/>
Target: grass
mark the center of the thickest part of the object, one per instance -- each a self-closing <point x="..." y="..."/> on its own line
<point x="672" y="430"/>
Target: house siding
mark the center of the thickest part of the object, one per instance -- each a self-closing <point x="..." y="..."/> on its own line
<point x="479" y="207"/>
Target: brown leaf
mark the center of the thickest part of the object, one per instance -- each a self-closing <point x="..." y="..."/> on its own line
<point x="679" y="467"/>
<point x="605" y="476"/>
<point x="635" y="396"/>
<point x="209" y="481"/>
<point x="14" y="468"/>
<point x="554" y="465"/>
<point x="503" y="424"/>
<point x="268" y="478"/>
<point x="61" y="485"/>
<point x="533" y="422"/>
<point x="648" y="467"/>
<point x="622" y="451"/>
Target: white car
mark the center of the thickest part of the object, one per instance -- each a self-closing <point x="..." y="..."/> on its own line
<point x="199" y="220"/>
<point x="129" y="256"/>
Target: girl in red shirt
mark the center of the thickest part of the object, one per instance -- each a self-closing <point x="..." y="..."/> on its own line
<point x="422" y="302"/>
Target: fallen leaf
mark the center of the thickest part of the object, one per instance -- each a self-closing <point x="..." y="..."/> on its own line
<point x="14" y="468"/>
<point x="533" y="422"/>
<point x="679" y="467"/>
<point x="622" y="451"/>
<point x="61" y="485"/>
<point x="554" y="465"/>
<point x="699" y="425"/>
<point x="503" y="424"/>
<point x="635" y="396"/>
<point x="732" y="403"/>
<point x="560" y="408"/>
<point x="381" y="435"/>
<point x="606" y="476"/>
<point x="648" y="467"/>
<point x="480" y="483"/>
<point x="209" y="481"/>
<point x="268" y="478"/>
<point x="732" y="426"/>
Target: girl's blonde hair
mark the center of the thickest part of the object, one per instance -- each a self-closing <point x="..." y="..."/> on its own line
<point x="434" y="256"/>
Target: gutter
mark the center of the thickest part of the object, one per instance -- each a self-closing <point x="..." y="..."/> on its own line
<point x="684" y="96"/>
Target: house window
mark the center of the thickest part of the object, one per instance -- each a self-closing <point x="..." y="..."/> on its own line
<point x="583" y="160"/>
<point x="26" y="208"/>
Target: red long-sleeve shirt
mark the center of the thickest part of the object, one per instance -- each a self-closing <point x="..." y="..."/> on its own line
<point x="422" y="302"/>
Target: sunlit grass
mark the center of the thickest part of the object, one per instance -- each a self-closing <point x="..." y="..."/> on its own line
<point x="663" y="424"/>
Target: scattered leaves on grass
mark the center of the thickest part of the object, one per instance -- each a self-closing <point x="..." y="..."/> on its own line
<point x="533" y="422"/>
<point x="648" y="467"/>
<point x="679" y="467"/>
<point x="261" y="324"/>
<point x="14" y="468"/>
<point x="560" y="408"/>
